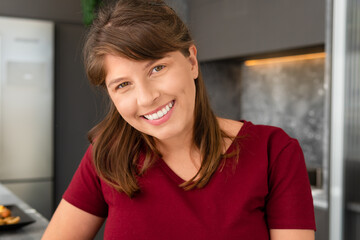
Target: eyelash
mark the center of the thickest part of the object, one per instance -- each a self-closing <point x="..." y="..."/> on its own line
<point x="159" y="66"/>
<point x="122" y="85"/>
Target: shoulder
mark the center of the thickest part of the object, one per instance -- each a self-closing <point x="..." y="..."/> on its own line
<point x="270" y="140"/>
<point x="87" y="159"/>
<point x="255" y="132"/>
<point x="265" y="133"/>
<point x="230" y="127"/>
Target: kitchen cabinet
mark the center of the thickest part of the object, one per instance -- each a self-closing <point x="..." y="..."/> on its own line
<point x="233" y="28"/>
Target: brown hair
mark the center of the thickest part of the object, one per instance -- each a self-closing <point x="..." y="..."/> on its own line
<point x="143" y="30"/>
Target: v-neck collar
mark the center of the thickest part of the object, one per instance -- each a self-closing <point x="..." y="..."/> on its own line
<point x="178" y="180"/>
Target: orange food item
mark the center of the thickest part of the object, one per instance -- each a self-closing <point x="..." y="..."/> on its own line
<point x="4" y="212"/>
<point x="6" y="218"/>
<point x="12" y="220"/>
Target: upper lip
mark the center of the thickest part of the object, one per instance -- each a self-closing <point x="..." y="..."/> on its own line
<point x="157" y="109"/>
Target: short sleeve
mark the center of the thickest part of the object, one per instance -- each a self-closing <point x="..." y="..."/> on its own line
<point x="85" y="191"/>
<point x="289" y="203"/>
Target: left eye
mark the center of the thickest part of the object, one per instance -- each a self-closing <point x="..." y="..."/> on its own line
<point x="122" y="85"/>
<point x="158" y="68"/>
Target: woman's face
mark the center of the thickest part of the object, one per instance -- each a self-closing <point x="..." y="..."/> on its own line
<point x="156" y="97"/>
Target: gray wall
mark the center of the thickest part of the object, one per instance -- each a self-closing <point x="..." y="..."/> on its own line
<point x="77" y="105"/>
<point x="233" y="28"/>
<point x="181" y="7"/>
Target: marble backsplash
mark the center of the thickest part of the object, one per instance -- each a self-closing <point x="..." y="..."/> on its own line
<point x="291" y="95"/>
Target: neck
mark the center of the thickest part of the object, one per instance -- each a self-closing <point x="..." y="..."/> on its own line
<point x="181" y="156"/>
<point x="175" y="145"/>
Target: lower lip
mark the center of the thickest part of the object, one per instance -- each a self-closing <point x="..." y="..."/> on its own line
<point x="162" y="119"/>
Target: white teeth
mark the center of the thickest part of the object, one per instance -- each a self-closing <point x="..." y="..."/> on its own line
<point x="160" y="113"/>
<point x="155" y="116"/>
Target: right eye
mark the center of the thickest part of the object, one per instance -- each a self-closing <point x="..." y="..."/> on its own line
<point x="123" y="84"/>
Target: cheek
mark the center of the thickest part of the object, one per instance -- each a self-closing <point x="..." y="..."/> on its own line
<point x="124" y="107"/>
<point x="182" y="85"/>
<point x="190" y="89"/>
<point x="181" y="78"/>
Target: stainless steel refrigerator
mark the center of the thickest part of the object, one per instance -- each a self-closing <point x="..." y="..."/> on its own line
<point x="26" y="110"/>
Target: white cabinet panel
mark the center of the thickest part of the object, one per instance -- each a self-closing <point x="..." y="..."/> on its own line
<point x="26" y="99"/>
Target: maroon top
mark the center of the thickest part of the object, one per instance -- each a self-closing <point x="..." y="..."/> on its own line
<point x="268" y="189"/>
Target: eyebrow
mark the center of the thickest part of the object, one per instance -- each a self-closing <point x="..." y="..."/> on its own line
<point x="116" y="80"/>
<point x="151" y="62"/>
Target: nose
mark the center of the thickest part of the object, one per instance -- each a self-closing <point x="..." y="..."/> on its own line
<point x="146" y="93"/>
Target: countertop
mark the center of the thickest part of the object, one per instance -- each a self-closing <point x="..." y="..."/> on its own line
<point x="29" y="232"/>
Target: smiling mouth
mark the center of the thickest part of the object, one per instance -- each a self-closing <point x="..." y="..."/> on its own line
<point x="161" y="113"/>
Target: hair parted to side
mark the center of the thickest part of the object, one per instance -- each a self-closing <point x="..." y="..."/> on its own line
<point x="143" y="30"/>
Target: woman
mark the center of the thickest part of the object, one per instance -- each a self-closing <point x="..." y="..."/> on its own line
<point x="161" y="165"/>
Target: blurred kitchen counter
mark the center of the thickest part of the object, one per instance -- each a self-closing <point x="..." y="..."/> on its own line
<point x="32" y="231"/>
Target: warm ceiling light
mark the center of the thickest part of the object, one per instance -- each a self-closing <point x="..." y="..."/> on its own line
<point x="284" y="59"/>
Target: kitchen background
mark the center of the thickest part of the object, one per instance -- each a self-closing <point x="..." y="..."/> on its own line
<point x="269" y="62"/>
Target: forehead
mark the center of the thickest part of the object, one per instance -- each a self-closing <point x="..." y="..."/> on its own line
<point x="111" y="61"/>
